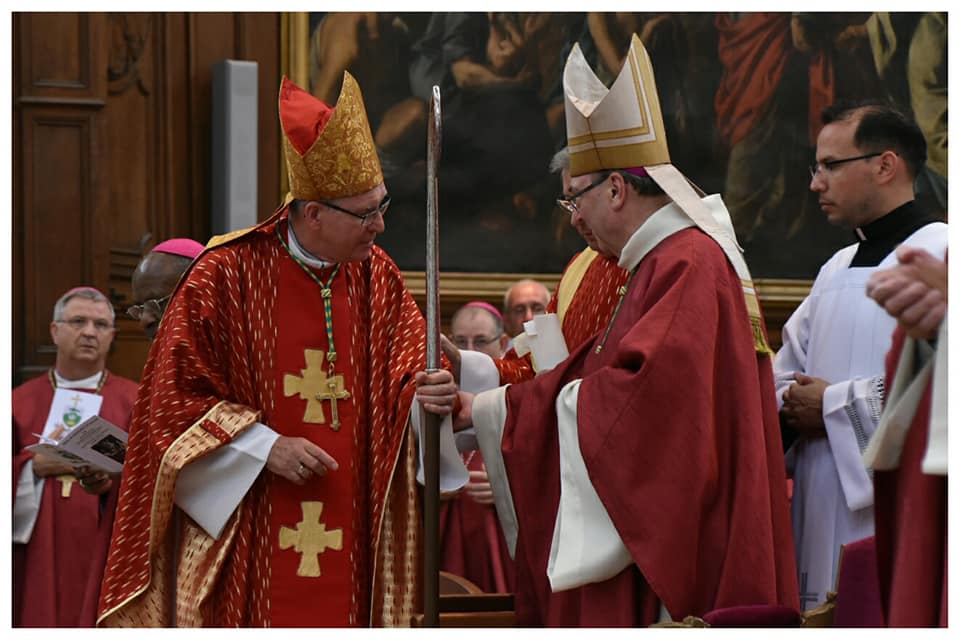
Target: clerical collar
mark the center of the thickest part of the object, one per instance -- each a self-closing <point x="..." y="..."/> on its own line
<point x="663" y="223"/>
<point x="879" y="238"/>
<point x="297" y="250"/>
<point x="84" y="383"/>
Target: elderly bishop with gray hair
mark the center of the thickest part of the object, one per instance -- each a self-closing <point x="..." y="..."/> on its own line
<point x="642" y="479"/>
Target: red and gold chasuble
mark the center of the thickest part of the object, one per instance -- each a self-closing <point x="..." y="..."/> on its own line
<point x="241" y="330"/>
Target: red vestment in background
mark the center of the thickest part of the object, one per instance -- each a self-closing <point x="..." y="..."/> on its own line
<point x="679" y="432"/>
<point x="236" y="328"/>
<point x="57" y="575"/>
<point x="587" y="312"/>
<point x="471" y="540"/>
<point x="911" y="525"/>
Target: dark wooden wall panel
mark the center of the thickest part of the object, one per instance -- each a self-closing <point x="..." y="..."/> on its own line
<point x="131" y="194"/>
<point x="59" y="94"/>
<point x="117" y="107"/>
<point x="56" y="235"/>
<point x="181" y="177"/>
<point x="205" y="49"/>
<point x="64" y="60"/>
<point x="258" y="41"/>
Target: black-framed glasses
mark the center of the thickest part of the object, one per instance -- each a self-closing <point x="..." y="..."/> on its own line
<point x="829" y="165"/>
<point x="77" y="323"/>
<point x="569" y="203"/>
<point x="153" y="307"/>
<point x="478" y="342"/>
<point x="366" y="215"/>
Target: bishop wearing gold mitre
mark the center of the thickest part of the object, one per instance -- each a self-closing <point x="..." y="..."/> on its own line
<point x="270" y="478"/>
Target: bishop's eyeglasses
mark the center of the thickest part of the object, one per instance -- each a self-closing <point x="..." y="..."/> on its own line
<point x="569" y="203"/>
<point x="153" y="307"/>
<point x="366" y="215"/>
<point x="78" y="323"/>
<point x="475" y="342"/>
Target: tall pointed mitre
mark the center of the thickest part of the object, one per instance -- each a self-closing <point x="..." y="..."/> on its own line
<point x="329" y="151"/>
<point x="622" y="128"/>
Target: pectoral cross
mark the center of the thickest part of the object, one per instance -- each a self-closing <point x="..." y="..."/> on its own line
<point x="310" y="538"/>
<point x="66" y="484"/>
<point x="314" y="386"/>
<point x="334" y="392"/>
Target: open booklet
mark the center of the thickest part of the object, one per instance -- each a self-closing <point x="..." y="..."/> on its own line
<point x="95" y="442"/>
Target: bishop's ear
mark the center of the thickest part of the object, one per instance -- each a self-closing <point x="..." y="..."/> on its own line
<point x="311" y="211"/>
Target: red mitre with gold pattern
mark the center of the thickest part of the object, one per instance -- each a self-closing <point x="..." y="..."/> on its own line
<point x="329" y="151"/>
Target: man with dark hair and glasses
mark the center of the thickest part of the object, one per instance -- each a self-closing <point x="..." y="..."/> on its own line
<point x="156" y="276"/>
<point x="830" y="370"/>
<point x="60" y="531"/>
<point x="272" y="460"/>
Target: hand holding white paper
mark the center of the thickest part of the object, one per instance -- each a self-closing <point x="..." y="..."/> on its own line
<point x="543" y="340"/>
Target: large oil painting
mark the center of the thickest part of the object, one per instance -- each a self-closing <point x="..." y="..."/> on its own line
<point x="740" y="93"/>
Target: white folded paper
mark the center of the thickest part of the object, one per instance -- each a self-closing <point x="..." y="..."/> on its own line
<point x="543" y="340"/>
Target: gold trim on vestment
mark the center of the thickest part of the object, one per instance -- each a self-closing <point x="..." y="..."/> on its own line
<point x="398" y="609"/>
<point x="233" y="419"/>
<point x="216" y="241"/>
<point x="609" y="135"/>
<point x="571" y="279"/>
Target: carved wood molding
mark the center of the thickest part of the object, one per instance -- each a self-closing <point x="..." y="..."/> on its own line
<point x="127" y="44"/>
<point x="57" y="101"/>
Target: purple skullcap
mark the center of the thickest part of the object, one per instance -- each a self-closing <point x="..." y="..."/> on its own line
<point x="640" y="172"/>
<point x="179" y="247"/>
<point x="486" y="305"/>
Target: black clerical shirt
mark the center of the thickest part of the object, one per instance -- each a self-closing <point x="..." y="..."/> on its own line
<point x="879" y="238"/>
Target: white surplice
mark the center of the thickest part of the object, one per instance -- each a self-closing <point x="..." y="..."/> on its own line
<point x="842" y="336"/>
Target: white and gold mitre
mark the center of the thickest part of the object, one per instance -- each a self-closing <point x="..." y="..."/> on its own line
<point x="613" y="128"/>
<point x="622" y="128"/>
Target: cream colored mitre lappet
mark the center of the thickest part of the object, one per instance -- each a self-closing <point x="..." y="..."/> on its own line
<point x="622" y="128"/>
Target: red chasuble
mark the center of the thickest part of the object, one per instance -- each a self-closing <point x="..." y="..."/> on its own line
<point x="57" y="575"/>
<point x="473" y="545"/>
<point x="678" y="427"/>
<point x="239" y="343"/>
<point x="911" y="522"/>
<point x="587" y="313"/>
